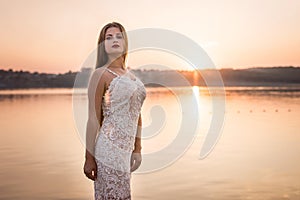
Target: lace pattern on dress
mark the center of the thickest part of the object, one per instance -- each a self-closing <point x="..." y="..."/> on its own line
<point x="121" y="106"/>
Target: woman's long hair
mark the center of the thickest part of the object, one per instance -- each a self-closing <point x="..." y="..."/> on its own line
<point x="102" y="56"/>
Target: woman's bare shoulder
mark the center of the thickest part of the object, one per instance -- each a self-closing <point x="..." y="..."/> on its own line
<point x="99" y="70"/>
<point x="100" y="73"/>
<point x="99" y="76"/>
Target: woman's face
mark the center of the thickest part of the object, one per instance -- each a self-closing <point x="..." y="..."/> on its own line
<point x="114" y="41"/>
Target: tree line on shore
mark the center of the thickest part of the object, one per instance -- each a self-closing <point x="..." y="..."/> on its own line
<point x="256" y="76"/>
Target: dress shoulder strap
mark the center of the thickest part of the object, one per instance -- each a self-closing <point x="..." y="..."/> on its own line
<point x="112" y="72"/>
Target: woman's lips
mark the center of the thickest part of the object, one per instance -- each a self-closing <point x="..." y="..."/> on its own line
<point x="115" y="46"/>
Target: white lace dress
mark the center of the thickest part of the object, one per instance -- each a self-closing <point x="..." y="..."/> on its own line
<point x="121" y="106"/>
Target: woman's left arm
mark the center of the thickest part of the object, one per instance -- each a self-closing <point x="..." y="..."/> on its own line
<point x="136" y="157"/>
<point x="137" y="143"/>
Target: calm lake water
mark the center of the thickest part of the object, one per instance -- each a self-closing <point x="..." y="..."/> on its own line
<point x="256" y="157"/>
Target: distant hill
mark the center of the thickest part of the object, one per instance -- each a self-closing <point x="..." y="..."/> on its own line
<point x="10" y="79"/>
<point x="260" y="76"/>
<point x="274" y="76"/>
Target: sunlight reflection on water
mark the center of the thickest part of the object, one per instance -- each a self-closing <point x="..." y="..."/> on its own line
<point x="257" y="156"/>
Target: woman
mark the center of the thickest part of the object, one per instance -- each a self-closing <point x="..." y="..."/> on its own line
<point x="113" y="135"/>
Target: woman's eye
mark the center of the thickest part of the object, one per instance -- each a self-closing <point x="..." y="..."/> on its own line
<point x="110" y="37"/>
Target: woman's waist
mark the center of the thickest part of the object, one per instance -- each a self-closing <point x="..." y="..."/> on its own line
<point x="118" y="143"/>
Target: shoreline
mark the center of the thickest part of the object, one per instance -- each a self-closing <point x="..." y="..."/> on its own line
<point x="251" y="77"/>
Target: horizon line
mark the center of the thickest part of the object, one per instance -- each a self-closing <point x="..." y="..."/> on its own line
<point x="225" y="68"/>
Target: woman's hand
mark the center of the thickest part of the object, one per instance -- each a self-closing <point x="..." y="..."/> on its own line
<point x="90" y="169"/>
<point x="136" y="160"/>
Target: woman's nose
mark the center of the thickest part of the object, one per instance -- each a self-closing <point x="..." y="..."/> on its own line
<point x="115" y="40"/>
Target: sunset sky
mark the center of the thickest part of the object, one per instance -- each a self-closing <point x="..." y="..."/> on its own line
<point x="58" y="35"/>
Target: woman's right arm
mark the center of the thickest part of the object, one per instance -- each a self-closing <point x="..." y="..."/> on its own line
<point x="96" y="90"/>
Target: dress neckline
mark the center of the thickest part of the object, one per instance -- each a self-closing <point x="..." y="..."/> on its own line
<point x="115" y="73"/>
<point x="121" y="75"/>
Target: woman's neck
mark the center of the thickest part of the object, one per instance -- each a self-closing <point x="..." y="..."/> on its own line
<point x="116" y="62"/>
